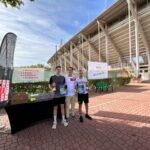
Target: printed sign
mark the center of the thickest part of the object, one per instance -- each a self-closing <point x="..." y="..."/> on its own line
<point x="28" y="74"/>
<point x="97" y="70"/>
<point x="4" y="90"/>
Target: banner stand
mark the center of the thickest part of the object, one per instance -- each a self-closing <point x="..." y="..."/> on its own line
<point x="6" y="67"/>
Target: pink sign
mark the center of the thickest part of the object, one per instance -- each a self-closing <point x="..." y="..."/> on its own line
<point x="4" y="90"/>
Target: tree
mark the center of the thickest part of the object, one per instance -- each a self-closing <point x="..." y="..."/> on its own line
<point x="13" y="3"/>
<point x="37" y="66"/>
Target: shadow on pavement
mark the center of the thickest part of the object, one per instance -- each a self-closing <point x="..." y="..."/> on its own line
<point x="107" y="131"/>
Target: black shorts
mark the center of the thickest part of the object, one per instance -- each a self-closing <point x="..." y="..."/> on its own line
<point x="58" y="101"/>
<point x="83" y="98"/>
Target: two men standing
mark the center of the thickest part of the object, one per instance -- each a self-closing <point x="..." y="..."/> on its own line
<point x="66" y="90"/>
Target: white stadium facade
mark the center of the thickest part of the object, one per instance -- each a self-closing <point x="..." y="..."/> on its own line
<point x="119" y="36"/>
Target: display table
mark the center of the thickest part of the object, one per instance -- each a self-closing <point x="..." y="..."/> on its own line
<point x="24" y="115"/>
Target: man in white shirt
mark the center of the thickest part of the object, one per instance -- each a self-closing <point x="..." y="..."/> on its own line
<point x="70" y="93"/>
<point x="82" y="88"/>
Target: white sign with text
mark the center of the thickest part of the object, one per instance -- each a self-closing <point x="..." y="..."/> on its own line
<point x="28" y="74"/>
<point x="97" y="70"/>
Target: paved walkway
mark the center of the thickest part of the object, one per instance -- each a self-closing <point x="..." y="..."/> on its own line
<point x="121" y="122"/>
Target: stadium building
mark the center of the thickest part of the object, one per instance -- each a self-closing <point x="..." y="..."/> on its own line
<point x="119" y="36"/>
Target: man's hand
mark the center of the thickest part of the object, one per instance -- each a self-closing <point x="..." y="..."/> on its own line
<point x="76" y="89"/>
<point x="87" y="88"/>
<point x="52" y="87"/>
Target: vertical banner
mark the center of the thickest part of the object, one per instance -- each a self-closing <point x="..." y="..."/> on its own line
<point x="97" y="70"/>
<point x="7" y="49"/>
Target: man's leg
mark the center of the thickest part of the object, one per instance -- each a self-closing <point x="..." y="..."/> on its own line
<point x="73" y="101"/>
<point x="67" y="100"/>
<point x="86" y="101"/>
<point x="63" y="115"/>
<point x="86" y="108"/>
<point x="55" y="117"/>
<point x="80" y="111"/>
<point x="62" y="109"/>
<point x="80" y="100"/>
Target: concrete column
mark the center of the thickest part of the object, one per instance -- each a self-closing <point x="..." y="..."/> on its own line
<point x="71" y="55"/>
<point x="106" y="46"/>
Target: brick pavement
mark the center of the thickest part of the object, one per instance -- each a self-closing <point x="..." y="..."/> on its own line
<point x="121" y="122"/>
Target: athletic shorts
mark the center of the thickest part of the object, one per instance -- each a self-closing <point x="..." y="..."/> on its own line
<point x="83" y="98"/>
<point x="58" y="101"/>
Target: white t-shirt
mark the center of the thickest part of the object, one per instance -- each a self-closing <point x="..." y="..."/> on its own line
<point x="81" y="84"/>
<point x="71" y="83"/>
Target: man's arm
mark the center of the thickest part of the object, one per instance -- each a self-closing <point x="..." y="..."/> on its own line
<point x="51" y="84"/>
<point x="87" y="84"/>
<point x="76" y="86"/>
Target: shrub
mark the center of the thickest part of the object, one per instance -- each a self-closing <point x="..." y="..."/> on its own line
<point x="35" y="87"/>
<point x="41" y="87"/>
<point x="120" y="81"/>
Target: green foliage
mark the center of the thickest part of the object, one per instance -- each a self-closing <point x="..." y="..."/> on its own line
<point x="122" y="81"/>
<point x="13" y="3"/>
<point x="93" y="82"/>
<point x="35" y="87"/>
<point x="37" y="66"/>
<point x="116" y="82"/>
<point x="40" y="87"/>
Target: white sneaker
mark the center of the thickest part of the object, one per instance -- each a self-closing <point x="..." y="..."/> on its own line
<point x="65" y="123"/>
<point x="54" y="125"/>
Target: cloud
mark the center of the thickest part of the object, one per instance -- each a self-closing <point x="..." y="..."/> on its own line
<point x="41" y="25"/>
<point x="36" y="36"/>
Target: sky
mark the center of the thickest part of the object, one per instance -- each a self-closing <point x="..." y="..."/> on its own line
<point x="42" y="24"/>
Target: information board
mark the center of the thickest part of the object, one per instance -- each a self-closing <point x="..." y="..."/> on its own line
<point x="28" y="74"/>
<point x="97" y="70"/>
